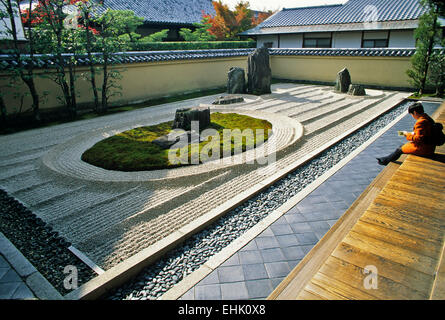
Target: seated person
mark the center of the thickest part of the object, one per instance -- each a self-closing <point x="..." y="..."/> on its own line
<point x="418" y="141"/>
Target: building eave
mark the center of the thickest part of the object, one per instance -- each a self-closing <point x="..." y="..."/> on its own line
<point x="374" y="26"/>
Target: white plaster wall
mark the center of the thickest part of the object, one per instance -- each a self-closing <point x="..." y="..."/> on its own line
<point x="291" y="41"/>
<point x="263" y="39"/>
<point x="347" y="40"/>
<point x="402" y="39"/>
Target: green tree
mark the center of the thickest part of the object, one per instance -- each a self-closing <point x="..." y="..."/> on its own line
<point x="25" y="73"/>
<point x="109" y="43"/>
<point x="427" y="36"/>
<point x="156" y="37"/>
<point x="201" y="33"/>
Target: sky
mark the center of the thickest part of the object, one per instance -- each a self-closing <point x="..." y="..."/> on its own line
<point x="279" y="4"/>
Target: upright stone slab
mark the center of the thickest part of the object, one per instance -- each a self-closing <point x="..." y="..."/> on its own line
<point x="184" y="117"/>
<point x="236" y="82"/>
<point x="343" y="81"/>
<point x="259" y="74"/>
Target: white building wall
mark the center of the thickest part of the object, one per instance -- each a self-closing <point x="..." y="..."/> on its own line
<point x="261" y="40"/>
<point x="402" y="39"/>
<point x="347" y="40"/>
<point x="291" y="41"/>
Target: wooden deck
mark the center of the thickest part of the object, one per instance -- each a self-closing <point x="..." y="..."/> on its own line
<point x="396" y="229"/>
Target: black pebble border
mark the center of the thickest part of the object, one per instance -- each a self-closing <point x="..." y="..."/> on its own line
<point x="156" y="279"/>
<point x="39" y="243"/>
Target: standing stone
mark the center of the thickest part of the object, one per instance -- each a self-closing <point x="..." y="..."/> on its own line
<point x="184" y="117"/>
<point x="236" y="82"/>
<point x="259" y="74"/>
<point x="356" y="90"/>
<point x="343" y="81"/>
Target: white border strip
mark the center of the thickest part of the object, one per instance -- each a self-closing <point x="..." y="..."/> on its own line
<point x="86" y="260"/>
<point x="215" y="261"/>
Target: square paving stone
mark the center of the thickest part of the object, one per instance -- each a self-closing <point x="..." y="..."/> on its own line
<point x="250" y="246"/>
<point x="301" y="227"/>
<point x="293" y="253"/>
<point x="230" y="274"/>
<point x="8" y="289"/>
<point x="277" y="269"/>
<point x="281" y="229"/>
<point x="189" y="295"/>
<point x="288" y="240"/>
<point x="208" y="292"/>
<point x="272" y="255"/>
<point x="10" y="276"/>
<point x="259" y="289"/>
<point x="23" y="293"/>
<point x="255" y="271"/>
<point x="294" y="217"/>
<point x="307" y="238"/>
<point x="212" y="278"/>
<point x="234" y="291"/>
<point x="250" y="257"/>
<point x="232" y="261"/>
<point x="266" y="242"/>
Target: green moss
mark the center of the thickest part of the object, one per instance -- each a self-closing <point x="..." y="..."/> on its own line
<point x="133" y="150"/>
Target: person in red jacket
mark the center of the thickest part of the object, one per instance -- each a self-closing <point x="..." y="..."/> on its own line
<point x="418" y="140"/>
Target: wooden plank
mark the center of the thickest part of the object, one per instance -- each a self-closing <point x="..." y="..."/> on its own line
<point x="422" y="174"/>
<point x="354" y="278"/>
<point x="319" y="290"/>
<point x="339" y="288"/>
<point x="393" y="253"/>
<point x="425" y="203"/>
<point x="417" y="230"/>
<point x="398" y="239"/>
<point x="422" y="161"/>
<point x="387" y="206"/>
<point x="418" y="184"/>
<point x="416" y="188"/>
<point x="306" y="295"/>
<point x="386" y="268"/>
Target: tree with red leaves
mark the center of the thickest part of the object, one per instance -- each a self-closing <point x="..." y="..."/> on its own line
<point x="227" y="24"/>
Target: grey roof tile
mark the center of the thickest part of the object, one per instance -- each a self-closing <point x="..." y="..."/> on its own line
<point x="165" y="11"/>
<point x="353" y="11"/>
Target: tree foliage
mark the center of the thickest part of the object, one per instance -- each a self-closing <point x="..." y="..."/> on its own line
<point x="227" y="24"/>
<point x="427" y="35"/>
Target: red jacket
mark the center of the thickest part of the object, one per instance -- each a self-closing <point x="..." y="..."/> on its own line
<point x="417" y="145"/>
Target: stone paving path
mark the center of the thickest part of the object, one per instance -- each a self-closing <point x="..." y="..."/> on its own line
<point x="111" y="221"/>
<point x="256" y="270"/>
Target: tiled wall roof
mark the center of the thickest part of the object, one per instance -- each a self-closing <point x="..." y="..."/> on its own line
<point x="353" y="11"/>
<point x="48" y="61"/>
<point x="165" y="11"/>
